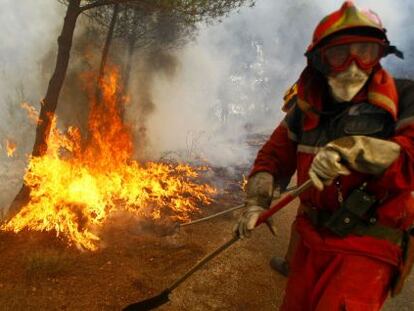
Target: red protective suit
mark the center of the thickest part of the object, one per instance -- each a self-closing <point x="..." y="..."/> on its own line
<point x="351" y="273"/>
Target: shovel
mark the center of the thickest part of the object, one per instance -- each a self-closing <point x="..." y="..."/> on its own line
<point x="159" y="300"/>
<point x="232" y="209"/>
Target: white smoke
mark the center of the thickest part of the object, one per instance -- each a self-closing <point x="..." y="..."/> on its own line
<point x="233" y="78"/>
<point x="28" y="31"/>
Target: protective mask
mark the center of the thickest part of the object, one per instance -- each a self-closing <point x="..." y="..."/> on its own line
<point x="346" y="84"/>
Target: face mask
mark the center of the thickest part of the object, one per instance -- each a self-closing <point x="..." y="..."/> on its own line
<point x="346" y="84"/>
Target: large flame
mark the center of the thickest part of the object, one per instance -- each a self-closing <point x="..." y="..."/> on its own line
<point x="81" y="181"/>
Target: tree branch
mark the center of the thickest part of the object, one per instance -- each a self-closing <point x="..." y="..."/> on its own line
<point x="97" y="4"/>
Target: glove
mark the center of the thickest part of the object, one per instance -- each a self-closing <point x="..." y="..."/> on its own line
<point x="366" y="154"/>
<point x="326" y="166"/>
<point x="259" y="195"/>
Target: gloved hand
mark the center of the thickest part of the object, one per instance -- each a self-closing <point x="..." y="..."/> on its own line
<point x="326" y="166"/>
<point x="366" y="154"/>
<point x="362" y="153"/>
<point x="259" y="195"/>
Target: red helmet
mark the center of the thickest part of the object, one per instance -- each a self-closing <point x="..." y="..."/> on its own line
<point x="349" y="20"/>
<point x="346" y="18"/>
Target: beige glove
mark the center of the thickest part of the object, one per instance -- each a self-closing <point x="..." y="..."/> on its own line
<point x="362" y="153"/>
<point x="259" y="195"/>
<point x="366" y="154"/>
<point x="326" y="166"/>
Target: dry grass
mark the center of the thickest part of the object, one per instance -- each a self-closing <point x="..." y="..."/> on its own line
<point x="12" y="299"/>
<point x="46" y="264"/>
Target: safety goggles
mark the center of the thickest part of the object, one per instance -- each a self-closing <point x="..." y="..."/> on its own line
<point x="366" y="54"/>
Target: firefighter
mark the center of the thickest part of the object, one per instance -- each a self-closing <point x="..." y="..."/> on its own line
<point x="349" y="127"/>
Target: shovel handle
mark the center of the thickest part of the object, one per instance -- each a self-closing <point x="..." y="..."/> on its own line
<point x="156" y="301"/>
<point x="202" y="262"/>
<point x="283" y="202"/>
<point x="223" y="212"/>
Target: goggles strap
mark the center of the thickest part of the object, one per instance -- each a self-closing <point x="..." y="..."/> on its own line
<point x="392" y="49"/>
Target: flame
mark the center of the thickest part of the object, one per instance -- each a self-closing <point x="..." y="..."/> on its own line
<point x="81" y="181"/>
<point x="31" y="112"/>
<point x="10" y="148"/>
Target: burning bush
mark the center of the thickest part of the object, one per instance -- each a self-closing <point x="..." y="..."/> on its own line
<point x="81" y="181"/>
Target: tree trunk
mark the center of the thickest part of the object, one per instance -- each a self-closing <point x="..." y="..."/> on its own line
<point x="105" y="51"/>
<point x="127" y="72"/>
<point x="128" y="64"/>
<point x="49" y="103"/>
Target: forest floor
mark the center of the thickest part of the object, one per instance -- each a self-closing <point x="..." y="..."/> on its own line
<point x="39" y="272"/>
<point x="139" y="260"/>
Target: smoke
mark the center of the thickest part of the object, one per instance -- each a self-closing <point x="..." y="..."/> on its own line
<point x="233" y="77"/>
<point x="29" y="30"/>
<point x="212" y="95"/>
<point x="23" y="46"/>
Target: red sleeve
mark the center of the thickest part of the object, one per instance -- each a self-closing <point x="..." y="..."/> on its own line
<point x="278" y="154"/>
<point x="400" y="175"/>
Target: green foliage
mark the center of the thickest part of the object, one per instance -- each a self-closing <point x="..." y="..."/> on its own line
<point x="159" y="23"/>
<point x="194" y="10"/>
<point x="142" y="29"/>
<point x="199" y="10"/>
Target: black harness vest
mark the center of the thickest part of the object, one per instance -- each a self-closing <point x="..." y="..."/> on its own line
<point x="347" y="119"/>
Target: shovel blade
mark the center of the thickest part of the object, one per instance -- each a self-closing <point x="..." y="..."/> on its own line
<point x="149" y="304"/>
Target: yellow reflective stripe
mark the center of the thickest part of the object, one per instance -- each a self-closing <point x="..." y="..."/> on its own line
<point x="384" y="101"/>
<point x="352" y="17"/>
<point x="292" y="91"/>
<point x="335" y="26"/>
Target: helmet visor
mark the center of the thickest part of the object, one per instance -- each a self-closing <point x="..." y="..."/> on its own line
<point x="366" y="54"/>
